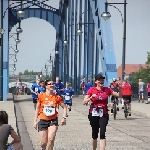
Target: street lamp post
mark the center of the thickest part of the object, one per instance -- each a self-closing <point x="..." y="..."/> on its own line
<point x="78" y="32"/>
<point x="13" y="66"/>
<point x="15" y="50"/>
<point x="57" y="62"/>
<point x="92" y="35"/>
<point x="16" y="40"/>
<point x="15" y="60"/>
<point x="51" y="62"/>
<point x="66" y="61"/>
<point x="46" y="68"/>
<point x="106" y="15"/>
<point x="66" y="51"/>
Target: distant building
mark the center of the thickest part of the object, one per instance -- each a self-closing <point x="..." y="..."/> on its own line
<point x="129" y="68"/>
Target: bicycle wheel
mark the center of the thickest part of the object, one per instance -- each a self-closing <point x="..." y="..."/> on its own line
<point x="115" y="111"/>
<point x="125" y="111"/>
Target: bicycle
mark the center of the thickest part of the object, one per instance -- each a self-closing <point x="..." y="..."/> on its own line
<point x="126" y="108"/>
<point x="114" y="107"/>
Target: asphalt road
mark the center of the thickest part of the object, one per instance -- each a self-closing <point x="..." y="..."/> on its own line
<point x="122" y="134"/>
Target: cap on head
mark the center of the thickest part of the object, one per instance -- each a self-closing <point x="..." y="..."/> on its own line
<point x="125" y="79"/>
<point x="114" y="79"/>
<point x="99" y="76"/>
<point x="118" y="78"/>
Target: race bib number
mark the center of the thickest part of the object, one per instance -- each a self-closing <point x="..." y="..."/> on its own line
<point x="95" y="113"/>
<point x="67" y="97"/>
<point x="49" y="110"/>
<point x="36" y="89"/>
<point x="54" y="91"/>
<point x="101" y="112"/>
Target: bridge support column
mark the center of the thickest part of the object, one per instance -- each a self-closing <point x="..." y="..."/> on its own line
<point x="4" y="50"/>
<point x="6" y="53"/>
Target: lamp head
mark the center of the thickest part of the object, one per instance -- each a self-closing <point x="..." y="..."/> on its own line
<point x="21" y="13"/>
<point x="105" y="15"/>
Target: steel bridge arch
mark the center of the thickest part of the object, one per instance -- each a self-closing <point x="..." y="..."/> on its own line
<point x="10" y="19"/>
<point x="83" y="54"/>
<point x="50" y="15"/>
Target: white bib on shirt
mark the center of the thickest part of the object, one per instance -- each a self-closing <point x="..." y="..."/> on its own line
<point x="95" y="113"/>
<point x="36" y="89"/>
<point x="49" y="110"/>
<point x="67" y="97"/>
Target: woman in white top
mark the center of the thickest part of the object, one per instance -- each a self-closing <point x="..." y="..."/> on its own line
<point x="18" y="87"/>
<point x="141" y="90"/>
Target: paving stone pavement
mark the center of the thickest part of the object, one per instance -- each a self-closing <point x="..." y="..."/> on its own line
<point x="122" y="134"/>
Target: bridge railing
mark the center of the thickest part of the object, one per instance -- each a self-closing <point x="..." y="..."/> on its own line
<point x="13" y="91"/>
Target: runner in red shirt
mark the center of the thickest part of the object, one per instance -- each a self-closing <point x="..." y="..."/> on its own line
<point x="127" y="93"/>
<point x="115" y="87"/>
<point x="98" y="112"/>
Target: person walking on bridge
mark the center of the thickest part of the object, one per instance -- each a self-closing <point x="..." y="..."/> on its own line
<point x="98" y="112"/>
<point x="58" y="88"/>
<point x="141" y="90"/>
<point x="42" y="87"/>
<point x="18" y="87"/>
<point x="68" y="95"/>
<point x="88" y="85"/>
<point x="46" y="109"/>
<point x="35" y="89"/>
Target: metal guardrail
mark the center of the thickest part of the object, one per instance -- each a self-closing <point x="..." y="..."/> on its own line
<point x="13" y="91"/>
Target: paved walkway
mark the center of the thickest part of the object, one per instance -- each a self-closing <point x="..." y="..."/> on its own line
<point x="130" y="134"/>
<point x="140" y="108"/>
<point x="8" y="106"/>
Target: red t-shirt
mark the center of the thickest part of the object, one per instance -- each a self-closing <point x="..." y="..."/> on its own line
<point x="126" y="89"/>
<point x="101" y="99"/>
<point x="114" y="84"/>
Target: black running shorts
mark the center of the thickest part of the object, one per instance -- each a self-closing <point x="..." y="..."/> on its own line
<point x="44" y="124"/>
<point x="125" y="97"/>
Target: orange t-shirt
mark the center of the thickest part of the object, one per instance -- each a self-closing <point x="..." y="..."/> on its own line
<point x="52" y="100"/>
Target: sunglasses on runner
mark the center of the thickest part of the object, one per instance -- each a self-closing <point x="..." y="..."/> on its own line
<point x="50" y="84"/>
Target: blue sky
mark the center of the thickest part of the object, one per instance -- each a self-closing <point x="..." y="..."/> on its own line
<point x="38" y="37"/>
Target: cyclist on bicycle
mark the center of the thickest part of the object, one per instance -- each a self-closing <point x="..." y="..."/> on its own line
<point x="115" y="87"/>
<point x="127" y="93"/>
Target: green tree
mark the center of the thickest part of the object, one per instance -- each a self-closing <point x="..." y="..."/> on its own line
<point x="26" y="72"/>
<point x="148" y="58"/>
<point x="20" y="73"/>
<point x="143" y="73"/>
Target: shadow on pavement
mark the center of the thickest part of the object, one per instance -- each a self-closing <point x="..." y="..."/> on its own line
<point x="22" y="100"/>
<point x="21" y="126"/>
<point x="128" y="118"/>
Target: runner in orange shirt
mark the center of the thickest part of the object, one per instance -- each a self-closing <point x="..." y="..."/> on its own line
<point x="48" y="124"/>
